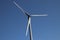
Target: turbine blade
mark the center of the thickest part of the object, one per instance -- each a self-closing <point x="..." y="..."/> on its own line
<point x="19" y="7"/>
<point x="28" y="26"/>
<point x="40" y="15"/>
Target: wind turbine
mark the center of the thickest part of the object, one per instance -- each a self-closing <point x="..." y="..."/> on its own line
<point x="29" y="20"/>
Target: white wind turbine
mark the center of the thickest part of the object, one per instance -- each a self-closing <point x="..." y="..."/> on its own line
<point x="29" y="20"/>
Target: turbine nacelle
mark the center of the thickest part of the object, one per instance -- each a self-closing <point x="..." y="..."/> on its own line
<point x="27" y="14"/>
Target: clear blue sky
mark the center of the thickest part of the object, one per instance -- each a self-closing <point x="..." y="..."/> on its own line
<point x="13" y="22"/>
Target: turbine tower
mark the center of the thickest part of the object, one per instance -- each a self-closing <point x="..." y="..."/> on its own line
<point x="29" y="28"/>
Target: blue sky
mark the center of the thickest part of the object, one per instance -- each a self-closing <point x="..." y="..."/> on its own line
<point x="13" y="22"/>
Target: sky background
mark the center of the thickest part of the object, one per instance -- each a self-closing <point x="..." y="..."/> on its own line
<point x="13" y="22"/>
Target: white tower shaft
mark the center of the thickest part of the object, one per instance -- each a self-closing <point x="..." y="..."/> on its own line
<point x="30" y="30"/>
